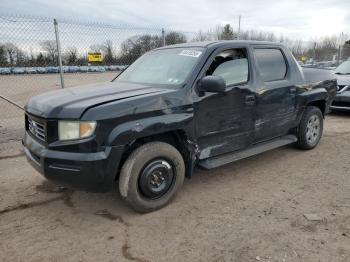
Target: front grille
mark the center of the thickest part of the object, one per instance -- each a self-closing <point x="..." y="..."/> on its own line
<point x="37" y="129"/>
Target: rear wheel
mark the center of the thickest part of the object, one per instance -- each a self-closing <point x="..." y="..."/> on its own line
<point x="151" y="176"/>
<point x="310" y="128"/>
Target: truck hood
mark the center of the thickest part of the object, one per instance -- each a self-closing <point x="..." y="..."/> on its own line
<point x="71" y="103"/>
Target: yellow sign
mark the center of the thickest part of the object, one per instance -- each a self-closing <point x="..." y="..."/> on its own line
<point x="303" y="58"/>
<point x="95" y="57"/>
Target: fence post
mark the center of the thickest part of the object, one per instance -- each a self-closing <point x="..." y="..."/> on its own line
<point x="239" y="28"/>
<point x="314" y="54"/>
<point x="340" y="48"/>
<point x="163" y="36"/>
<point x="59" y="52"/>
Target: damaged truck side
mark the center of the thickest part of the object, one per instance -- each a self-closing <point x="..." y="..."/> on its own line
<point x="197" y="104"/>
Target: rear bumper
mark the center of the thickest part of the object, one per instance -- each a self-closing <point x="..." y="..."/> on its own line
<point x="94" y="172"/>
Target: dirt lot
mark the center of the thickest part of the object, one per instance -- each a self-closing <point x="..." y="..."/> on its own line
<point x="252" y="210"/>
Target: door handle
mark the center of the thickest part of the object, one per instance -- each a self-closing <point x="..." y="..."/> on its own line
<point x="250" y="100"/>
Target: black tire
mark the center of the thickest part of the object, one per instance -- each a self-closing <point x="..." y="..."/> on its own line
<point x="307" y="137"/>
<point x="138" y="168"/>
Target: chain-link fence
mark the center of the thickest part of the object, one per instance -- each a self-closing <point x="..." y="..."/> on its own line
<point x="34" y="50"/>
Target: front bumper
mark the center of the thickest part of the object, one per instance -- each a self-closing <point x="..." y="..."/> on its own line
<point x="94" y="172"/>
<point x="341" y="102"/>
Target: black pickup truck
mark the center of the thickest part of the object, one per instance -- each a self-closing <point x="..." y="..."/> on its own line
<point x="196" y="104"/>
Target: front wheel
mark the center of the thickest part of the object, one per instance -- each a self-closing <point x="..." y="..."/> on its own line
<point x="151" y="176"/>
<point x="310" y="128"/>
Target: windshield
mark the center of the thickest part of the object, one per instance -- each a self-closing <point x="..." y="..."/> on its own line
<point x="343" y="69"/>
<point x="163" y="67"/>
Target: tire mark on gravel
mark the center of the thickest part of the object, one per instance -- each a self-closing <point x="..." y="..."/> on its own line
<point x="126" y="247"/>
<point x="128" y="255"/>
<point x="108" y="215"/>
<point x="66" y="198"/>
<point x="126" y="252"/>
<point x="11" y="156"/>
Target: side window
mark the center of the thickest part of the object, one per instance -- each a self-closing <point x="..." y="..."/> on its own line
<point x="232" y="65"/>
<point x="271" y="63"/>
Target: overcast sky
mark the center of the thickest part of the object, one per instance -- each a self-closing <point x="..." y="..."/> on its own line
<point x="305" y="19"/>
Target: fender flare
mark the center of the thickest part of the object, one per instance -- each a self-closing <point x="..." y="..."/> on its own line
<point x="309" y="97"/>
<point x="128" y="132"/>
<point x="313" y="95"/>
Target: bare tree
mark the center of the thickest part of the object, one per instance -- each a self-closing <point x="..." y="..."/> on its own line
<point x="11" y="50"/>
<point x="346" y="50"/>
<point x="3" y="55"/>
<point x="71" y="55"/>
<point x="226" y="33"/>
<point x="40" y="60"/>
<point x="95" y="48"/>
<point x="49" y="46"/>
<point x="297" y="48"/>
<point x="135" y="46"/>
<point x="107" y="49"/>
<point x="203" y="36"/>
<point x="217" y="32"/>
<point x="21" y="58"/>
<point x="174" y="37"/>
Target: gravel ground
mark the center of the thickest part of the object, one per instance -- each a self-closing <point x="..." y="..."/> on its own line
<point x="252" y="210"/>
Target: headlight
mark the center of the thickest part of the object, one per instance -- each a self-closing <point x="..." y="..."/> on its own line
<point x="70" y="130"/>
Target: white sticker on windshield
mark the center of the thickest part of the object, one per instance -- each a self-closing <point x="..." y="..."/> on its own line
<point x="193" y="53"/>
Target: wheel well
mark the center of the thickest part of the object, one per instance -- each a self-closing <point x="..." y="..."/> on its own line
<point x="175" y="138"/>
<point x="321" y="104"/>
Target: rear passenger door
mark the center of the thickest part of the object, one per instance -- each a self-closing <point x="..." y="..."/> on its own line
<point x="276" y="94"/>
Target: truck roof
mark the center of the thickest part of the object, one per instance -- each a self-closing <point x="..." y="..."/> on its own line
<point x="218" y="43"/>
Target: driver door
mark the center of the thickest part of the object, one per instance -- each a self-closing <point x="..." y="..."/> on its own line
<point x="224" y="121"/>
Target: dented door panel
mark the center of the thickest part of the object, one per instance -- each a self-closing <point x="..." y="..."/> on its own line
<point x="224" y="122"/>
<point x="275" y="111"/>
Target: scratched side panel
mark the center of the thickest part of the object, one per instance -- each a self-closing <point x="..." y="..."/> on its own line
<point x="275" y="112"/>
<point x="224" y="123"/>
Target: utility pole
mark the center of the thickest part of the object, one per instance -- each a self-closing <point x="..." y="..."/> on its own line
<point x="163" y="36"/>
<point x="340" y="48"/>
<point x="59" y="52"/>
<point x="239" y="28"/>
<point x="314" y="54"/>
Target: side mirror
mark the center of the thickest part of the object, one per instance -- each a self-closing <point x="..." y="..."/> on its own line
<point x="215" y="84"/>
